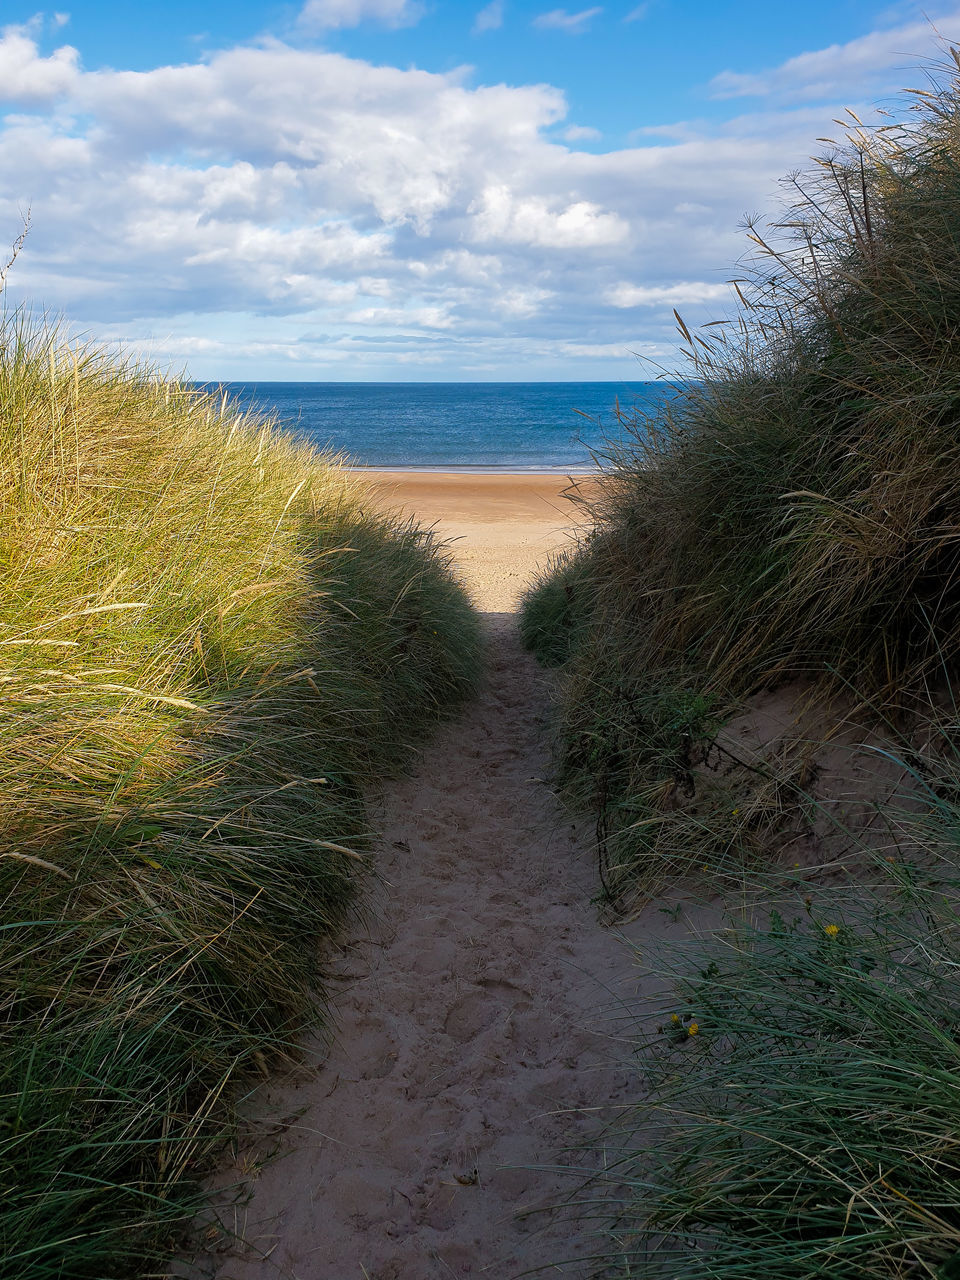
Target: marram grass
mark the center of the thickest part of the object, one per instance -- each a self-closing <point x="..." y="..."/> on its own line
<point x="789" y="523"/>
<point x="792" y="514"/>
<point x="209" y="647"/>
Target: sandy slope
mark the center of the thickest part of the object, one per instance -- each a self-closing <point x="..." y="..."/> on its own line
<point x="473" y="1013"/>
<point x="501" y="528"/>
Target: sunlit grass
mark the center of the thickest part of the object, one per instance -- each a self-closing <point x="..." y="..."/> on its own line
<point x="209" y="648"/>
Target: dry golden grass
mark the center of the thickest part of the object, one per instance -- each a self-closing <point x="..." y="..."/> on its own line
<point x="208" y="649"/>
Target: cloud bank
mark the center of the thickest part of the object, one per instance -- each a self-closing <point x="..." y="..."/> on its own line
<point x="289" y="212"/>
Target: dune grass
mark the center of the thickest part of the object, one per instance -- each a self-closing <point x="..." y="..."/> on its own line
<point x="793" y="512"/>
<point x="209" y="648"/>
<point x="787" y="526"/>
<point x="799" y="1108"/>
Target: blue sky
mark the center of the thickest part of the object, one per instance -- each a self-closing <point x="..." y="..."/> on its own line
<point x="400" y="190"/>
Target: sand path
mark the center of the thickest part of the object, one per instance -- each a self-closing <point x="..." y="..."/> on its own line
<point x="473" y="1012"/>
<point x="471" y="1017"/>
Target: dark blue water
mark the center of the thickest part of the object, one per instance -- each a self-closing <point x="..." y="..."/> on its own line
<point x="485" y="425"/>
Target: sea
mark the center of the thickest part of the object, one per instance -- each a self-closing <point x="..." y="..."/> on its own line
<point x="441" y="426"/>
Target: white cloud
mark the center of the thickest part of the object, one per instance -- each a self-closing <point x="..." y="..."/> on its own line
<point x="592" y="350"/>
<point x="573" y="23"/>
<point x="501" y="216"/>
<point x="637" y="14"/>
<point x="686" y="293"/>
<point x="581" y="133"/>
<point x="521" y="304"/>
<point x="402" y="317"/>
<point x="290" y="209"/>
<point x="489" y="18"/>
<point x="27" y="77"/>
<point x="840" y="69"/>
<point x="321" y="15"/>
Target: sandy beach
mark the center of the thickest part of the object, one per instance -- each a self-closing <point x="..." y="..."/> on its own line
<point x="501" y="526"/>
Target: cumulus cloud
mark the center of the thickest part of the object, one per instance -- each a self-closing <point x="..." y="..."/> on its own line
<point x="489" y="18"/>
<point x="307" y="211"/>
<point x="27" y="77"/>
<point x="321" y="15"/>
<point x="686" y="293"/>
<point x="572" y="23"/>
<point x="581" y="133"/>
<point x="501" y="217"/>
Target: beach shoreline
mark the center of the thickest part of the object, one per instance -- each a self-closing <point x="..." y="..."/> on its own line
<point x="501" y="527"/>
<point x="474" y="470"/>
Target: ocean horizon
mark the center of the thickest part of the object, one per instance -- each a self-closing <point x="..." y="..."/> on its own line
<point x="455" y="426"/>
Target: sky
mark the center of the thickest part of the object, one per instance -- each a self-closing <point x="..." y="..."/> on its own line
<point x="417" y="190"/>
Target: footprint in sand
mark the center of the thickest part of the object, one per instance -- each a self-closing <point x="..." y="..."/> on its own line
<point x="469" y="1016"/>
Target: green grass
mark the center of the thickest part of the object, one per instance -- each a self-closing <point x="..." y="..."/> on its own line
<point x="209" y="648"/>
<point x="555" y="609"/>
<point x="792" y="514"/>
<point x="810" y="1127"/>
<point x="788" y="525"/>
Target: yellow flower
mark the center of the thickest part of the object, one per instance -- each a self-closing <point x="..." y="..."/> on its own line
<point x="831" y="930"/>
<point x="735" y="812"/>
<point x="693" y="1029"/>
<point x="675" y="1019"/>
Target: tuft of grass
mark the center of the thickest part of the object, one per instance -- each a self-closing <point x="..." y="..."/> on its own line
<point x="554" y="608"/>
<point x="801" y="1098"/>
<point x="209" y="648"/>
<point x="791" y="513"/>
